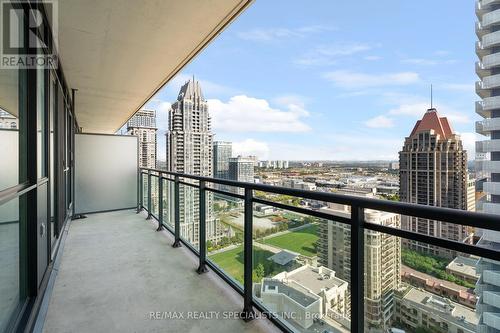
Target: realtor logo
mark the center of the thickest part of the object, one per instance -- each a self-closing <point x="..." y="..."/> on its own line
<point x="25" y="34"/>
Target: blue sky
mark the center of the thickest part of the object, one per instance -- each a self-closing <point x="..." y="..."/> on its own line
<point x="334" y="80"/>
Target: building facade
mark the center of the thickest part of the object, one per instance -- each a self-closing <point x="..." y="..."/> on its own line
<point x="189" y="150"/>
<point x="223" y="151"/>
<point x="382" y="257"/>
<point x="143" y="125"/>
<point x="488" y="156"/>
<point x="433" y="171"/>
<point x="241" y="169"/>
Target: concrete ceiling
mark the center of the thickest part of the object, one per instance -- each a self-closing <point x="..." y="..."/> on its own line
<point x="118" y="53"/>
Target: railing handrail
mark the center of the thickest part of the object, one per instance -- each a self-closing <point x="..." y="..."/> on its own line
<point x="449" y="215"/>
<point x="356" y="221"/>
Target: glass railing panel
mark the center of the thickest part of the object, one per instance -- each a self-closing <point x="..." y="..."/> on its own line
<point x="225" y="235"/>
<point x="189" y="214"/>
<point x="9" y="261"/>
<point x="144" y="182"/>
<point x="155" y="195"/>
<point x="436" y="292"/>
<point x="168" y="203"/>
<point x="302" y="269"/>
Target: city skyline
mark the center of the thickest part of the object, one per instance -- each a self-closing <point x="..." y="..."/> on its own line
<point x="293" y="109"/>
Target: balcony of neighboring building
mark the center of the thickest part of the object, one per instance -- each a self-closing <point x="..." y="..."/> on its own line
<point x="488" y="146"/>
<point x="486" y="126"/>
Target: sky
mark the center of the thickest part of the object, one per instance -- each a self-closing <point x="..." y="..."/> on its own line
<point x="334" y="80"/>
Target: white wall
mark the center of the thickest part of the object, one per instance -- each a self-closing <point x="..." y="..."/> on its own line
<point x="105" y="172"/>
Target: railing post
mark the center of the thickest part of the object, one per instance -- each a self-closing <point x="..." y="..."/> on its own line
<point x="149" y="196"/>
<point x="357" y="269"/>
<point x="160" y="202"/>
<point x="177" y="216"/>
<point x="248" y="312"/>
<point x="202" y="268"/>
<point x="140" y="196"/>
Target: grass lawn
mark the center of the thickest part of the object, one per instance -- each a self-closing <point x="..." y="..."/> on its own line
<point x="300" y="241"/>
<point x="232" y="262"/>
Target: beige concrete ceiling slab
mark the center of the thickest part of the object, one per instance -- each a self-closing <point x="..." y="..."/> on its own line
<point x="118" y="53"/>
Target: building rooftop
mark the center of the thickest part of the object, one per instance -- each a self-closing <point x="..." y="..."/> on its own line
<point x="445" y="308"/>
<point x="283" y="257"/>
<point x="432" y="121"/>
<point x="464" y="265"/>
<point x="293" y="291"/>
<point x="315" y="279"/>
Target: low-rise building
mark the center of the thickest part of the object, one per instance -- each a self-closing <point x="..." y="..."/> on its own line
<point x="305" y="294"/>
<point x="464" y="268"/>
<point x="419" y="308"/>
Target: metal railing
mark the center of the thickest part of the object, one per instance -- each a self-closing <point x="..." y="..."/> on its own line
<point x="357" y="223"/>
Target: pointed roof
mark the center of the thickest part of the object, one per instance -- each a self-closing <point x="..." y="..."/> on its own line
<point x="192" y="90"/>
<point x="432" y="121"/>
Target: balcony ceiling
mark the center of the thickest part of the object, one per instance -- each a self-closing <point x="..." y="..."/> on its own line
<point x="118" y="53"/>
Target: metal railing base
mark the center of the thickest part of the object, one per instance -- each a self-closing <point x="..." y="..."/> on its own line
<point x="177" y="243"/>
<point x="160" y="228"/>
<point x="202" y="269"/>
<point x="248" y="314"/>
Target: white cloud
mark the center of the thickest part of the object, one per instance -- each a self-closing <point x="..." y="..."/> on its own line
<point x="460" y="87"/>
<point x="329" y="54"/>
<point x="372" y="58"/>
<point x="380" y="122"/>
<point x="248" y="114"/>
<point x="469" y="142"/>
<point x="349" y="80"/>
<point x="273" y="34"/>
<point x="428" y="62"/>
<point x="251" y="147"/>
<point x="418" y="109"/>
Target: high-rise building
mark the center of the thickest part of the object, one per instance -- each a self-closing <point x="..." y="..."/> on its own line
<point x="433" y="171"/>
<point x="223" y="151"/>
<point x="143" y="125"/>
<point x="382" y="255"/>
<point x="488" y="157"/>
<point x="488" y="88"/>
<point x="241" y="169"/>
<point x="189" y="151"/>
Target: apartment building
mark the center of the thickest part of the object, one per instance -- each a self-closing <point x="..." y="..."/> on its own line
<point x="488" y="156"/>
<point x="190" y="150"/>
<point x="433" y="171"/>
<point x="382" y="260"/>
<point x="143" y="125"/>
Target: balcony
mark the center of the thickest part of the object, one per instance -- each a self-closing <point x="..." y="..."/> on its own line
<point x="491" y="18"/>
<point x="488" y="146"/>
<point x="485" y="127"/>
<point x="490" y="61"/>
<point x="492" y="320"/>
<point x="492" y="298"/>
<point x="116" y="273"/>
<point x="490" y="39"/>
<point x="492" y="188"/>
<point x="491" y="277"/>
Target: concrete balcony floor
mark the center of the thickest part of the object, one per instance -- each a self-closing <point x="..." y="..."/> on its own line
<point x="115" y="270"/>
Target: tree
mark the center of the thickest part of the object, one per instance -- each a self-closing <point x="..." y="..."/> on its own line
<point x="258" y="273"/>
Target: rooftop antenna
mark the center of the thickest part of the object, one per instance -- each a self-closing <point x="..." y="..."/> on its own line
<point x="432" y="102"/>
